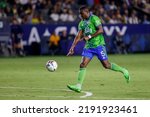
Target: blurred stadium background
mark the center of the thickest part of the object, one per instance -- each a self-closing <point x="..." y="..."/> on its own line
<point x="48" y="27"/>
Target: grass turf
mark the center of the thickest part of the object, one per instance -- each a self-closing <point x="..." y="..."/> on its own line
<point x="27" y="78"/>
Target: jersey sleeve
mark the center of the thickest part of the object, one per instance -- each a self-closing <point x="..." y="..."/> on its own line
<point x="80" y="26"/>
<point x="96" y="20"/>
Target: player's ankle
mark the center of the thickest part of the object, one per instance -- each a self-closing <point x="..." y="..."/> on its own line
<point x="79" y="85"/>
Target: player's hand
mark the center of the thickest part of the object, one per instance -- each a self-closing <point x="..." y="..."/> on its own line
<point x="71" y="51"/>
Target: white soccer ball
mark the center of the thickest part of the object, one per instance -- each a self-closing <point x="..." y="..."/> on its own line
<point x="51" y="65"/>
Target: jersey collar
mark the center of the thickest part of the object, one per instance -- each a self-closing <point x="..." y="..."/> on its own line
<point x="88" y="18"/>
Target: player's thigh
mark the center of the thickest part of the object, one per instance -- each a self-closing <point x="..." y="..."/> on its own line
<point x="87" y="56"/>
<point x="101" y="53"/>
<point x="102" y="56"/>
<point x="87" y="53"/>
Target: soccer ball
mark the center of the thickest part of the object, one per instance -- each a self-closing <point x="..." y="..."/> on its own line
<point x="51" y="65"/>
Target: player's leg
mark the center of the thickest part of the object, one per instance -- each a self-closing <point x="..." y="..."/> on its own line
<point x="81" y="75"/>
<point x="82" y="71"/>
<point x="87" y="56"/>
<point x="102" y="56"/>
<point x="115" y="67"/>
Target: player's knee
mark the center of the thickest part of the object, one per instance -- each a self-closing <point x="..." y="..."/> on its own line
<point x="82" y="65"/>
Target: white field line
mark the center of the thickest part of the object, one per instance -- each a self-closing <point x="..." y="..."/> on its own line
<point x="87" y="94"/>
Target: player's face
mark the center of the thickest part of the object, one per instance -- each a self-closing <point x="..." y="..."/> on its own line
<point x="84" y="14"/>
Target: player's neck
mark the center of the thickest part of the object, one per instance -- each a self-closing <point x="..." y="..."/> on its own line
<point x="87" y="17"/>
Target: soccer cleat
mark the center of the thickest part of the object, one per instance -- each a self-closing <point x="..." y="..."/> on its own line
<point x="74" y="88"/>
<point x="126" y="75"/>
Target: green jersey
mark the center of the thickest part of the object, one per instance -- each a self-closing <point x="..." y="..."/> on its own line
<point x="89" y="27"/>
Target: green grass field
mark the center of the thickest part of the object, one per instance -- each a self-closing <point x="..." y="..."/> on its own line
<point x="27" y="79"/>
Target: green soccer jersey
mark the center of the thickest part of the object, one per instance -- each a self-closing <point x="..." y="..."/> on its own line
<point x="89" y="27"/>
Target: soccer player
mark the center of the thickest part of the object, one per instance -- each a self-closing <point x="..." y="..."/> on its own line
<point x="90" y="28"/>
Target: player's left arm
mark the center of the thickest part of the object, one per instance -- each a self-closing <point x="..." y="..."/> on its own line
<point x="99" y="31"/>
<point x="98" y="25"/>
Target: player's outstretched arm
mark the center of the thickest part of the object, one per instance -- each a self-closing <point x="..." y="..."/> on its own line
<point x="99" y="31"/>
<point x="76" y="40"/>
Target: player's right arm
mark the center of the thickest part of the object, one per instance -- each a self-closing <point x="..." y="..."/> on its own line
<point x="76" y="40"/>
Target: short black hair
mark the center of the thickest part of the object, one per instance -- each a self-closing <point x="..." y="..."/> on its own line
<point x="83" y="8"/>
